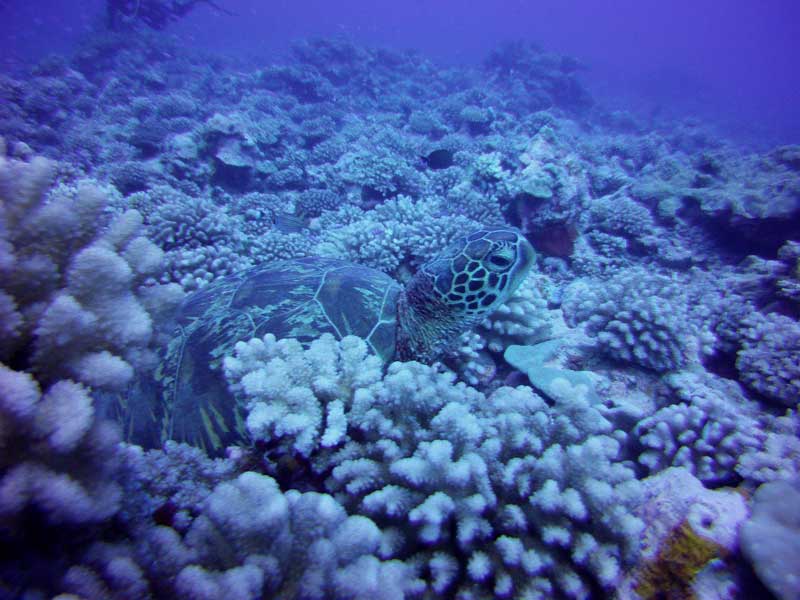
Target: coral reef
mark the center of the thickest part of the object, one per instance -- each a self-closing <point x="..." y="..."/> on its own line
<point x="74" y="303"/>
<point x="771" y="537"/>
<point x="767" y="362"/>
<point x="637" y="317"/>
<point x="691" y="531"/>
<point x="78" y="319"/>
<point x="414" y="451"/>
<point x="576" y="444"/>
<point x="57" y="456"/>
<point x="706" y="431"/>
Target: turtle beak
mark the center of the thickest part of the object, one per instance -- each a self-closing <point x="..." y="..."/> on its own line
<point x="527" y="254"/>
<point x="526" y="261"/>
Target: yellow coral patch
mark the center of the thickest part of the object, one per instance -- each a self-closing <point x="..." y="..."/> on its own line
<point x="670" y="574"/>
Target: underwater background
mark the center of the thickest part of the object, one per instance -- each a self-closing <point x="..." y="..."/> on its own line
<point x="622" y="424"/>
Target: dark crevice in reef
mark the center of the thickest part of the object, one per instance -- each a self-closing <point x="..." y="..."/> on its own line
<point x="35" y="555"/>
<point x="722" y="364"/>
<point x="737" y="236"/>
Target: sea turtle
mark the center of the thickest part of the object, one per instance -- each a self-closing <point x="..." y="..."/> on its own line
<point x="306" y="297"/>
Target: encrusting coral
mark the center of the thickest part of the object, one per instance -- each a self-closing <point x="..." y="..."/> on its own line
<point x="771" y="537"/>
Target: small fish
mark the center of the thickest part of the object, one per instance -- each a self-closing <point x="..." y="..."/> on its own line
<point x="289" y="223"/>
<point x="439" y="159"/>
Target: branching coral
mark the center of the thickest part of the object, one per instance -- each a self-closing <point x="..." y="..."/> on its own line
<point x="707" y="430"/>
<point x="247" y="540"/>
<point x="619" y="214"/>
<point x="366" y="479"/>
<point x="479" y="493"/>
<point x="156" y="14"/>
<point x="551" y="189"/>
<point x="767" y="361"/>
<point x="79" y="306"/>
<point x="56" y="455"/>
<point x="778" y="456"/>
<point x="637" y="317"/>
<point x="377" y="174"/>
<point x="399" y="232"/>
<point x="523" y="319"/>
<point x="73" y="298"/>
<point x="279" y="541"/>
<point x="789" y="284"/>
<point x="201" y="240"/>
<point x="284" y="386"/>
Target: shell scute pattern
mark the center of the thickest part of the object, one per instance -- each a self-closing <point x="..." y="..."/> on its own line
<point x="360" y="301"/>
<point x="299" y="299"/>
<point x="304" y="298"/>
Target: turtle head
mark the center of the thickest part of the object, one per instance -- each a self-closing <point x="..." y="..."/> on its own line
<point x="456" y="290"/>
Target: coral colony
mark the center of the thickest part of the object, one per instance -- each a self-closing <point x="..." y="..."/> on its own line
<point x="624" y="425"/>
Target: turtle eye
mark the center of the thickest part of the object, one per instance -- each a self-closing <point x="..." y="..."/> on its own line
<point x="500" y="261"/>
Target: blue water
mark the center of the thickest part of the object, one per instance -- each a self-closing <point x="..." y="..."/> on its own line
<point x="370" y="300"/>
<point x="733" y="63"/>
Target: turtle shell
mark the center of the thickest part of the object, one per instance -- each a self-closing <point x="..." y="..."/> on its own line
<point x="299" y="299"/>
